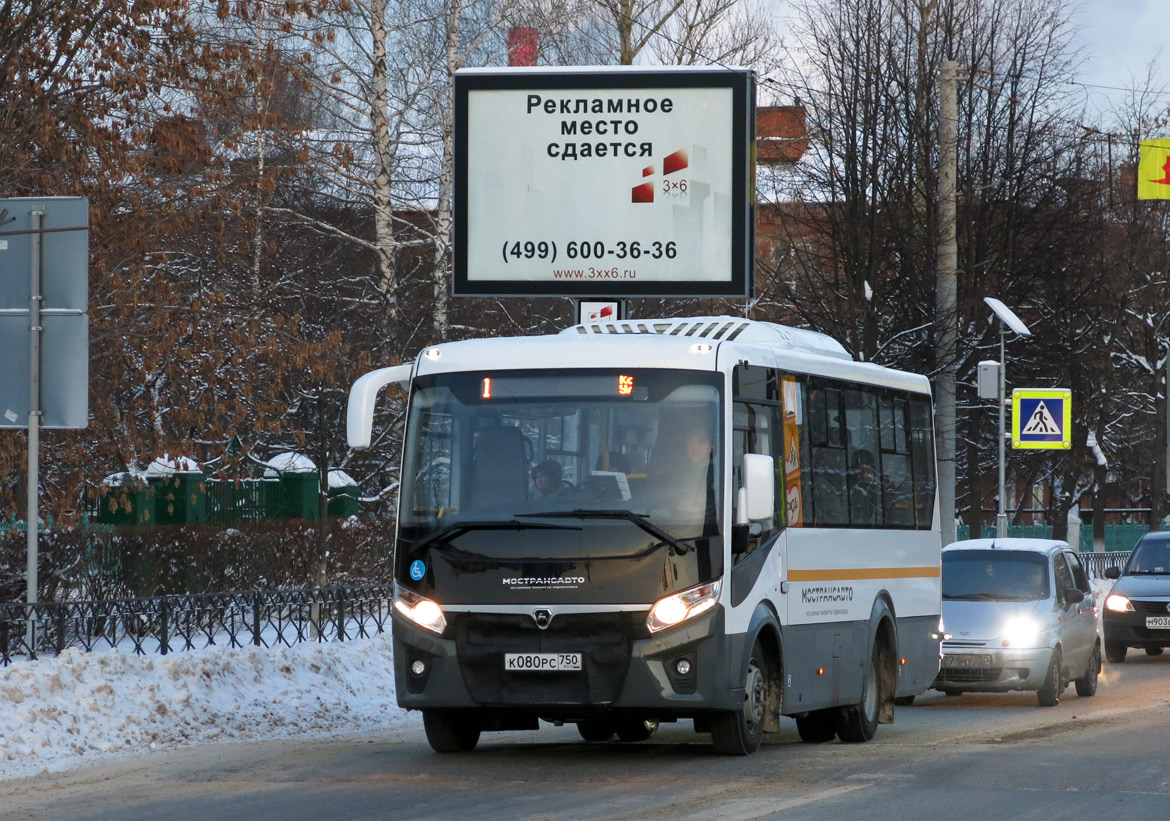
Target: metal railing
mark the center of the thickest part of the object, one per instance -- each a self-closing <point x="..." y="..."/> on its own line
<point x="1118" y="538"/>
<point x="168" y="624"/>
<point x="1098" y="563"/>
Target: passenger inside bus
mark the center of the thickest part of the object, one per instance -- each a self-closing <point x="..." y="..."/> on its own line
<point x="865" y="495"/>
<point x="499" y="477"/>
<point x="548" y="479"/>
<point x="683" y="482"/>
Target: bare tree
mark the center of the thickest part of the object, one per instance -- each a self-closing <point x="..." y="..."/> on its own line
<point x="860" y="260"/>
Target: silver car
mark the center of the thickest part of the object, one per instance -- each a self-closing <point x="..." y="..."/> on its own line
<point x="1019" y="615"/>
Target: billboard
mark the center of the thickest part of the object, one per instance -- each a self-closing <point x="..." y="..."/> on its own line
<point x="612" y="182"/>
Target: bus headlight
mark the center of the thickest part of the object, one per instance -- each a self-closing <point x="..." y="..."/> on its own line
<point x="1118" y="603"/>
<point x="422" y="611"/>
<point x="672" y="610"/>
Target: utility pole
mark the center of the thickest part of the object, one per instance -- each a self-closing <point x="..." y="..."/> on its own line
<point x="945" y="297"/>
<point x="1161" y="479"/>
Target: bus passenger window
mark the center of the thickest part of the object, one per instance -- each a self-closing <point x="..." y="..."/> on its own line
<point x="922" y="461"/>
<point x="865" y="487"/>
<point x="896" y="476"/>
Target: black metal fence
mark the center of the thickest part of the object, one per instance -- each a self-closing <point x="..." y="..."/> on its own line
<point x="1098" y="563"/>
<point x="168" y="624"/>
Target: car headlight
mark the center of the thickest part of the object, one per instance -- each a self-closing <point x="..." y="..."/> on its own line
<point x="1118" y="603"/>
<point x="672" y="610"/>
<point x="1022" y="632"/>
<point x="941" y="634"/>
<point x="422" y="611"/>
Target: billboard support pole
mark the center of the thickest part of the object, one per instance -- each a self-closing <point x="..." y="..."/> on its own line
<point x="34" y="421"/>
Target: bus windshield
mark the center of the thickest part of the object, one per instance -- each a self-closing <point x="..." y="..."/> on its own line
<point x="543" y="475"/>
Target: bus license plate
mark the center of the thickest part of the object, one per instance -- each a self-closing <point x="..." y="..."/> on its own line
<point x="967" y="661"/>
<point x="541" y="662"/>
<point x="1158" y="622"/>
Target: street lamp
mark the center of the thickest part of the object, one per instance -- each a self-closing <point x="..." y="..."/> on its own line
<point x="1007" y="319"/>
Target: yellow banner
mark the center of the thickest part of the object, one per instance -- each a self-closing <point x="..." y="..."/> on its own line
<point x="793" y="503"/>
<point x="1153" y="179"/>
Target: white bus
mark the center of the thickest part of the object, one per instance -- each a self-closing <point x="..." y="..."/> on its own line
<point x="711" y="519"/>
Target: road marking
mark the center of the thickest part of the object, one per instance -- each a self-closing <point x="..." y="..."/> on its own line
<point x="751" y="808"/>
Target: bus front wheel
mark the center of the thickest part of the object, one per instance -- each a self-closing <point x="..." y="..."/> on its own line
<point x="452" y="731"/>
<point x="739" y="732"/>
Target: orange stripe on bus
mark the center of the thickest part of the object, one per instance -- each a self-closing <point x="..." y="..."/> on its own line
<point x="864" y="573"/>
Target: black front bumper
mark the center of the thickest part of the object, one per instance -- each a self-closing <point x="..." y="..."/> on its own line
<point x="623" y="668"/>
<point x="1130" y="628"/>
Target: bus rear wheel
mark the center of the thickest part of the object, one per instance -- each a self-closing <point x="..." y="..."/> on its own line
<point x="596" y="730"/>
<point x="739" y="732"/>
<point x="818" y="726"/>
<point x="452" y="731"/>
<point x="858" y="722"/>
<point x="636" y="729"/>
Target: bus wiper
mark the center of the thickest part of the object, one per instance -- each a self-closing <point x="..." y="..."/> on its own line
<point x="454" y="529"/>
<point x="640" y="519"/>
<point x="972" y="597"/>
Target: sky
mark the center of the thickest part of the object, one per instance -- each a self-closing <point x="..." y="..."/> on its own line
<point x="1119" y="38"/>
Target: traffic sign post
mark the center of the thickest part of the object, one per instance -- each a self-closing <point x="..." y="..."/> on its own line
<point x="44" y="296"/>
<point x="1007" y="319"/>
<point x="1042" y="419"/>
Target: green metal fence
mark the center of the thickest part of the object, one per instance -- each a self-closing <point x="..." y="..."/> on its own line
<point x="190" y="498"/>
<point x="18" y="524"/>
<point x="1118" y="538"/>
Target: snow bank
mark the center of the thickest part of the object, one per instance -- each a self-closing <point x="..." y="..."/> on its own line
<point x="59" y="713"/>
<point x="82" y="708"/>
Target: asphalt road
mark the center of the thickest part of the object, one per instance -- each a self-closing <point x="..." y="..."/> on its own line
<point x="980" y="757"/>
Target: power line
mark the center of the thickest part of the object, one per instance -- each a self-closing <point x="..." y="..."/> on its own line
<point x="795" y="90"/>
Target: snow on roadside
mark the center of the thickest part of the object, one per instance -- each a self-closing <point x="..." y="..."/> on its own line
<point x="81" y="708"/>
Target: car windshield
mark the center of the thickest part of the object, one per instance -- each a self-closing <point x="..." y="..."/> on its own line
<point x="994" y="575"/>
<point x="1150" y="557"/>
<point x="579" y="473"/>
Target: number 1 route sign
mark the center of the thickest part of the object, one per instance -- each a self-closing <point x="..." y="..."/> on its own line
<point x="1042" y="419"/>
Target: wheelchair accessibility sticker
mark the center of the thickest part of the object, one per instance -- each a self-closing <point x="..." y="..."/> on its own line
<point x="417" y="570"/>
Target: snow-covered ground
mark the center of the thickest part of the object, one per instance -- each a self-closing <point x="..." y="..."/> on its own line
<point x="82" y="708"/>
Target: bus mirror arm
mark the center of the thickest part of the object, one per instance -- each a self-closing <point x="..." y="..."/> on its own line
<point x="363" y="396"/>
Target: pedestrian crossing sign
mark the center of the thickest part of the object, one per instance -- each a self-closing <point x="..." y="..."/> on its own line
<point x="1042" y="419"/>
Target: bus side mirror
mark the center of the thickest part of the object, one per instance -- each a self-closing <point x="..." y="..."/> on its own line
<point x="759" y="486"/>
<point x="359" y="417"/>
<point x="1113" y="572"/>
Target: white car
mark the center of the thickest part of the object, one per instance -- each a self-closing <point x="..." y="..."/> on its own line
<point x="1019" y="614"/>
